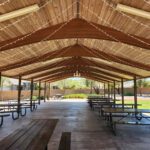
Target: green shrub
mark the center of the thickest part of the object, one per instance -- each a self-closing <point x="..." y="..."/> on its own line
<point x="34" y="98"/>
<point x="41" y="97"/>
<point x="69" y="96"/>
<point x="128" y="94"/>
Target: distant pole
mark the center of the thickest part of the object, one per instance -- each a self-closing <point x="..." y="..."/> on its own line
<point x="135" y="93"/>
<point x="31" y="95"/>
<point x="39" y="92"/>
<point x="122" y="92"/>
<point x="19" y="94"/>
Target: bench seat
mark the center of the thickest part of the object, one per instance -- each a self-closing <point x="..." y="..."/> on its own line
<point x="34" y="136"/>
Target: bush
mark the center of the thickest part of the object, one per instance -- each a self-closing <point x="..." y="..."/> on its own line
<point x="128" y="94"/>
<point x="34" y="98"/>
<point x="69" y="96"/>
<point x="41" y="97"/>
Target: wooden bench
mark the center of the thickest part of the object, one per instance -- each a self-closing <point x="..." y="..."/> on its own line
<point x="2" y="115"/>
<point x="34" y="136"/>
<point x="65" y="142"/>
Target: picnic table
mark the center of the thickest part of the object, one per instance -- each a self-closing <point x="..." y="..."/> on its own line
<point x="13" y="109"/>
<point x="34" y="136"/>
<point x="126" y="116"/>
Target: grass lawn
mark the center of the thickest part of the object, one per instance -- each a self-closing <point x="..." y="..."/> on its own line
<point x="145" y="103"/>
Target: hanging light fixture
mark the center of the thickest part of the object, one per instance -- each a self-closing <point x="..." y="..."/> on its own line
<point x="77" y="74"/>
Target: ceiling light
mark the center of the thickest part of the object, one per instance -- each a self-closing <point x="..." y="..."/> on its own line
<point x="133" y="11"/>
<point x="19" y="12"/>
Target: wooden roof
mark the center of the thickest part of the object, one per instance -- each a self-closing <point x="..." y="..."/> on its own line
<point x="64" y="36"/>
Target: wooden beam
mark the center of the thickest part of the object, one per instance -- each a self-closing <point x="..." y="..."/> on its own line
<point x="78" y="9"/>
<point x="82" y="68"/>
<point x="76" y="28"/>
<point x="118" y="59"/>
<point x="98" y="75"/>
<point x="79" y="62"/>
<point x="76" y="51"/>
<point x="73" y="71"/>
<point x="111" y="68"/>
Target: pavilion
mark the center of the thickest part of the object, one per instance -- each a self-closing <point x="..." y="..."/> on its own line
<point x="49" y="40"/>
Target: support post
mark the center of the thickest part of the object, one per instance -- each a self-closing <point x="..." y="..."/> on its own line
<point x="49" y="91"/>
<point x="108" y="90"/>
<point x="31" y="96"/>
<point x="39" y="100"/>
<point x="0" y="86"/>
<point x="19" y="94"/>
<point x="135" y="93"/>
<point x="114" y="92"/>
<point x="45" y="92"/>
<point x="104" y="89"/>
<point x="122" y="93"/>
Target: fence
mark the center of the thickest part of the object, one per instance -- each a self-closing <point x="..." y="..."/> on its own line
<point x="9" y="95"/>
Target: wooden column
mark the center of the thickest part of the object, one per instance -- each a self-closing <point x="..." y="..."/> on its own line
<point x="135" y="93"/>
<point x="49" y="91"/>
<point x="39" y="100"/>
<point x="45" y="92"/>
<point x="122" y="93"/>
<point x="0" y="86"/>
<point x="31" y="95"/>
<point x="104" y="89"/>
<point x="108" y="90"/>
<point x="114" y="92"/>
<point x="19" y="94"/>
<point x="0" y="79"/>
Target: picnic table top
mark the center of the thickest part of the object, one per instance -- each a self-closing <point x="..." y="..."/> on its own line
<point x="124" y="110"/>
<point x="11" y="104"/>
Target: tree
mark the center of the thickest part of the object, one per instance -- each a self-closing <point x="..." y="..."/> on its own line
<point x="142" y="83"/>
<point x="5" y="81"/>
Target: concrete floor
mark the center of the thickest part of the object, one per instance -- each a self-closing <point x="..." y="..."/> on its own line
<point x="88" y="131"/>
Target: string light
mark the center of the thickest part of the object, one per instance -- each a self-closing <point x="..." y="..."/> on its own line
<point x="28" y="15"/>
<point x="25" y="62"/>
<point x="105" y="34"/>
<point x="116" y="29"/>
<point x="106" y="2"/>
<point x="136" y="38"/>
<point x="25" y="36"/>
<point x="146" y="1"/>
<point x="5" y="2"/>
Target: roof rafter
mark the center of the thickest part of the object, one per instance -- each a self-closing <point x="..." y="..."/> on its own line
<point x="76" y="28"/>
<point x="76" y="51"/>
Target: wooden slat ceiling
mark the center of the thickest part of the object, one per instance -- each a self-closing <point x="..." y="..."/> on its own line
<point x="64" y="36"/>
